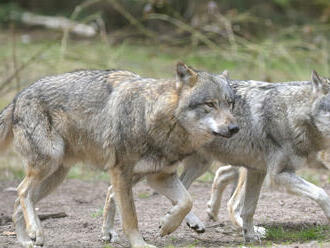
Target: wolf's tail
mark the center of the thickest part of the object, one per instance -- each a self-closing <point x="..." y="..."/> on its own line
<point x="6" y="122"/>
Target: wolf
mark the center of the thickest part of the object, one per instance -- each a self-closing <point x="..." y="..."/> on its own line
<point x="117" y="121"/>
<point x="283" y="126"/>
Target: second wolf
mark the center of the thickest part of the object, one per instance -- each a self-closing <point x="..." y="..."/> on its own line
<point x="114" y="120"/>
<point x="283" y="126"/>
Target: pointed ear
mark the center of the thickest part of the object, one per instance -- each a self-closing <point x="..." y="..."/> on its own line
<point x="320" y="84"/>
<point x="225" y="74"/>
<point x="186" y="76"/>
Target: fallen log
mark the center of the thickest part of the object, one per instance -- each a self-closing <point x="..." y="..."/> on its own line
<point x="59" y="23"/>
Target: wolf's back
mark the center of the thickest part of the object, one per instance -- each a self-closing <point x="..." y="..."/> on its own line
<point x="6" y="133"/>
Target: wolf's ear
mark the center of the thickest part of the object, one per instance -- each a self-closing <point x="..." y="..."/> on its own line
<point x="225" y="74"/>
<point x="186" y="75"/>
<point x="320" y="84"/>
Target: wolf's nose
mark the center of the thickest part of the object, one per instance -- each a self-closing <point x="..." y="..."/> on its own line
<point x="233" y="128"/>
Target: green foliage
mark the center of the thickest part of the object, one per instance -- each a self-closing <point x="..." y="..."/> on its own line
<point x="97" y="213"/>
<point x="9" y="12"/>
<point x="302" y="234"/>
<point x="206" y="177"/>
<point x="85" y="173"/>
<point x="143" y="195"/>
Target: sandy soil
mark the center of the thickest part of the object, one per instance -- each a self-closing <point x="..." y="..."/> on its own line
<point x="83" y="203"/>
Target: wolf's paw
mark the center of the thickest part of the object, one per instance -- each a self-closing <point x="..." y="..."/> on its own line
<point x="110" y="236"/>
<point x="168" y="224"/>
<point x="211" y="214"/>
<point x="27" y="244"/>
<point x="195" y="223"/>
<point x="30" y="244"/>
<point x="260" y="231"/>
<point x="37" y="237"/>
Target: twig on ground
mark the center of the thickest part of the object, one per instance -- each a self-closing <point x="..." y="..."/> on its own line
<point x="216" y="225"/>
<point x="52" y="216"/>
<point x="6" y="219"/>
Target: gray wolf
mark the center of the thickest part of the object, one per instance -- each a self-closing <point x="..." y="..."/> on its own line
<point x="119" y="121"/>
<point x="283" y="126"/>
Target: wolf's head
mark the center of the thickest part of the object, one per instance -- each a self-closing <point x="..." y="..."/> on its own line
<point x="321" y="105"/>
<point x="205" y="103"/>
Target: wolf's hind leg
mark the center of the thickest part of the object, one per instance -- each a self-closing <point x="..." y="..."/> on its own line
<point x="43" y="150"/>
<point x="253" y="186"/>
<point x="298" y="186"/>
<point x="20" y="226"/>
<point x="45" y="188"/>
<point x="224" y="176"/>
<point x="170" y="186"/>
<point x="235" y="205"/>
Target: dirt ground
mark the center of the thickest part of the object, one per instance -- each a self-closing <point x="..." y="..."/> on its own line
<point x="82" y="201"/>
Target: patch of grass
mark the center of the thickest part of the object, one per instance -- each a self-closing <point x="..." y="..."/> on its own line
<point x="312" y="178"/>
<point x="107" y="246"/>
<point x="303" y="234"/>
<point x="85" y="173"/>
<point x="97" y="213"/>
<point x="194" y="244"/>
<point x="143" y="195"/>
<point x="206" y="177"/>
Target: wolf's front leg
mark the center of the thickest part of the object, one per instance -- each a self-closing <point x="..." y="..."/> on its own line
<point x="170" y="186"/>
<point x="253" y="185"/>
<point x="109" y="212"/>
<point x="121" y="181"/>
<point x="235" y="205"/>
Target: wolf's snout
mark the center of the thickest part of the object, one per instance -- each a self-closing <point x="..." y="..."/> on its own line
<point x="233" y="128"/>
<point x="226" y="131"/>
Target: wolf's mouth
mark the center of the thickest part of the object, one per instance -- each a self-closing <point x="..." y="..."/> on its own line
<point x="225" y="135"/>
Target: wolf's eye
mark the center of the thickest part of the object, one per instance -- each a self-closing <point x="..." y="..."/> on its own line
<point x="210" y="104"/>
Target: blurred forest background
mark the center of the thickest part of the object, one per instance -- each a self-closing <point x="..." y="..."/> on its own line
<point x="274" y="40"/>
